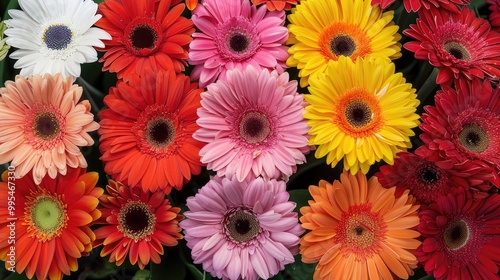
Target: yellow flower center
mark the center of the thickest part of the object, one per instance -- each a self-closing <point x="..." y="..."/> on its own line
<point x="345" y="39"/>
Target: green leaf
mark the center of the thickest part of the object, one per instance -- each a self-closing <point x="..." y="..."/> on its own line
<point x="299" y="270"/>
<point x="141" y="275"/>
<point x="16" y="276"/>
<point x="12" y="5"/>
<point x="300" y="197"/>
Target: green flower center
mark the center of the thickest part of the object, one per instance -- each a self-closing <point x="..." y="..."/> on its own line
<point x="47" y="215"/>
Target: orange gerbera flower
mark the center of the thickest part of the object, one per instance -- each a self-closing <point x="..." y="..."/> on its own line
<point x="276" y="4"/>
<point x="138" y="224"/>
<point x="146" y="35"/>
<point x="50" y="221"/>
<point x="359" y="230"/>
<point x="147" y="132"/>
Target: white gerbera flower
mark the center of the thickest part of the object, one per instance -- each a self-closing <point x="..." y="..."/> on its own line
<point x="54" y="36"/>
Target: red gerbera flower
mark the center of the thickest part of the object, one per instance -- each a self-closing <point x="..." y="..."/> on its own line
<point x="146" y="134"/>
<point x="460" y="44"/>
<point x="383" y="3"/>
<point x="429" y="178"/>
<point x="464" y="124"/>
<point x="51" y="222"/>
<point x="450" y="5"/>
<point x="138" y="223"/>
<point x="278" y="5"/>
<point x="461" y="237"/>
<point x="494" y="18"/>
<point x="147" y="36"/>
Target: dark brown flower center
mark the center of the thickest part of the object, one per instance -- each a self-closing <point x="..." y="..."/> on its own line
<point x="242" y="226"/>
<point x="160" y="132"/>
<point x="342" y="44"/>
<point x="238" y="42"/>
<point x="358" y="114"/>
<point x="46" y="126"/>
<point x="254" y="127"/>
<point x="457" y="50"/>
<point x="136" y="220"/>
<point x="143" y="37"/>
<point x="57" y="37"/>
<point x="456" y="235"/>
<point x="428" y="175"/>
<point x="473" y="138"/>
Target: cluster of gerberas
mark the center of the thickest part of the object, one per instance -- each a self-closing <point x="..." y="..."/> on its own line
<point x="244" y="119"/>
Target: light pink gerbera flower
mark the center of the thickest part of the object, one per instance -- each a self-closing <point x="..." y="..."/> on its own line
<point x="253" y="125"/>
<point x="242" y="230"/>
<point x="235" y="34"/>
<point x="43" y="125"/>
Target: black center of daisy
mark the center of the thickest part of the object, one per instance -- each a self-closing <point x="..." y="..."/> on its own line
<point x="238" y="42"/>
<point x="343" y="45"/>
<point x="254" y="127"/>
<point x="160" y="132"/>
<point x="457" y="50"/>
<point x="136" y="220"/>
<point x="473" y="138"/>
<point x="359" y="230"/>
<point x="242" y="226"/>
<point x="143" y="37"/>
<point x="358" y="114"/>
<point x="429" y="175"/>
<point x="57" y="37"/>
<point x="46" y="126"/>
<point x="456" y="235"/>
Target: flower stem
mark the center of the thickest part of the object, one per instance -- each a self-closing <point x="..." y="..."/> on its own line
<point x="429" y="86"/>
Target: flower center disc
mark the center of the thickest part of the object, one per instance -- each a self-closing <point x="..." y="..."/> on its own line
<point x="242" y="226"/>
<point x="46" y="126"/>
<point x="358" y="114"/>
<point x="143" y="37"/>
<point x="136" y="220"/>
<point x="57" y="37"/>
<point x="456" y="235"/>
<point x="457" y="50"/>
<point x="342" y="44"/>
<point x="47" y="215"/>
<point x="428" y="175"/>
<point x="473" y="138"/>
<point x="160" y="132"/>
<point x="238" y="42"/>
<point x="254" y="127"/>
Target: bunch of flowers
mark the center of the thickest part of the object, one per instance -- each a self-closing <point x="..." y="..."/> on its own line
<point x="250" y="139"/>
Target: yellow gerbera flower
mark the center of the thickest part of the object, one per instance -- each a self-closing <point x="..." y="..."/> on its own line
<point x="324" y="30"/>
<point x="360" y="112"/>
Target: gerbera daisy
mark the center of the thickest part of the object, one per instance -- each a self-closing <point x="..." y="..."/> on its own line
<point x="253" y="125"/>
<point x="236" y="37"/>
<point x="54" y="36"/>
<point x="384" y="4"/>
<point x="494" y="17"/>
<point x="450" y="5"/>
<point x="464" y="124"/>
<point x="138" y="223"/>
<point x="460" y="44"/>
<point x="325" y="30"/>
<point x="278" y="5"/>
<point x="242" y="230"/>
<point x="146" y="132"/>
<point x="51" y="222"/>
<point x="461" y="237"/>
<point x="147" y="36"/>
<point x="359" y="230"/>
<point x="428" y="179"/>
<point x="43" y="125"/>
<point x="360" y="112"/>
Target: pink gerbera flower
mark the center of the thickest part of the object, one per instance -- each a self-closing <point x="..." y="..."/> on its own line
<point x="460" y="44"/>
<point x="253" y="125"/>
<point x="235" y="34"/>
<point x="43" y="125"/>
<point x="242" y="230"/>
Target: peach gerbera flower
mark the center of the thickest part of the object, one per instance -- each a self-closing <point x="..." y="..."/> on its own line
<point x="43" y="125"/>
<point x="359" y="230"/>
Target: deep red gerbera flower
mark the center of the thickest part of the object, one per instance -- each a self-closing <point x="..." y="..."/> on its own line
<point x="494" y="18"/>
<point x="147" y="36"/>
<point x="464" y="124"/>
<point x="460" y="44"/>
<point x="450" y="5"/>
<point x="461" y="237"/>
<point x="429" y="177"/>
